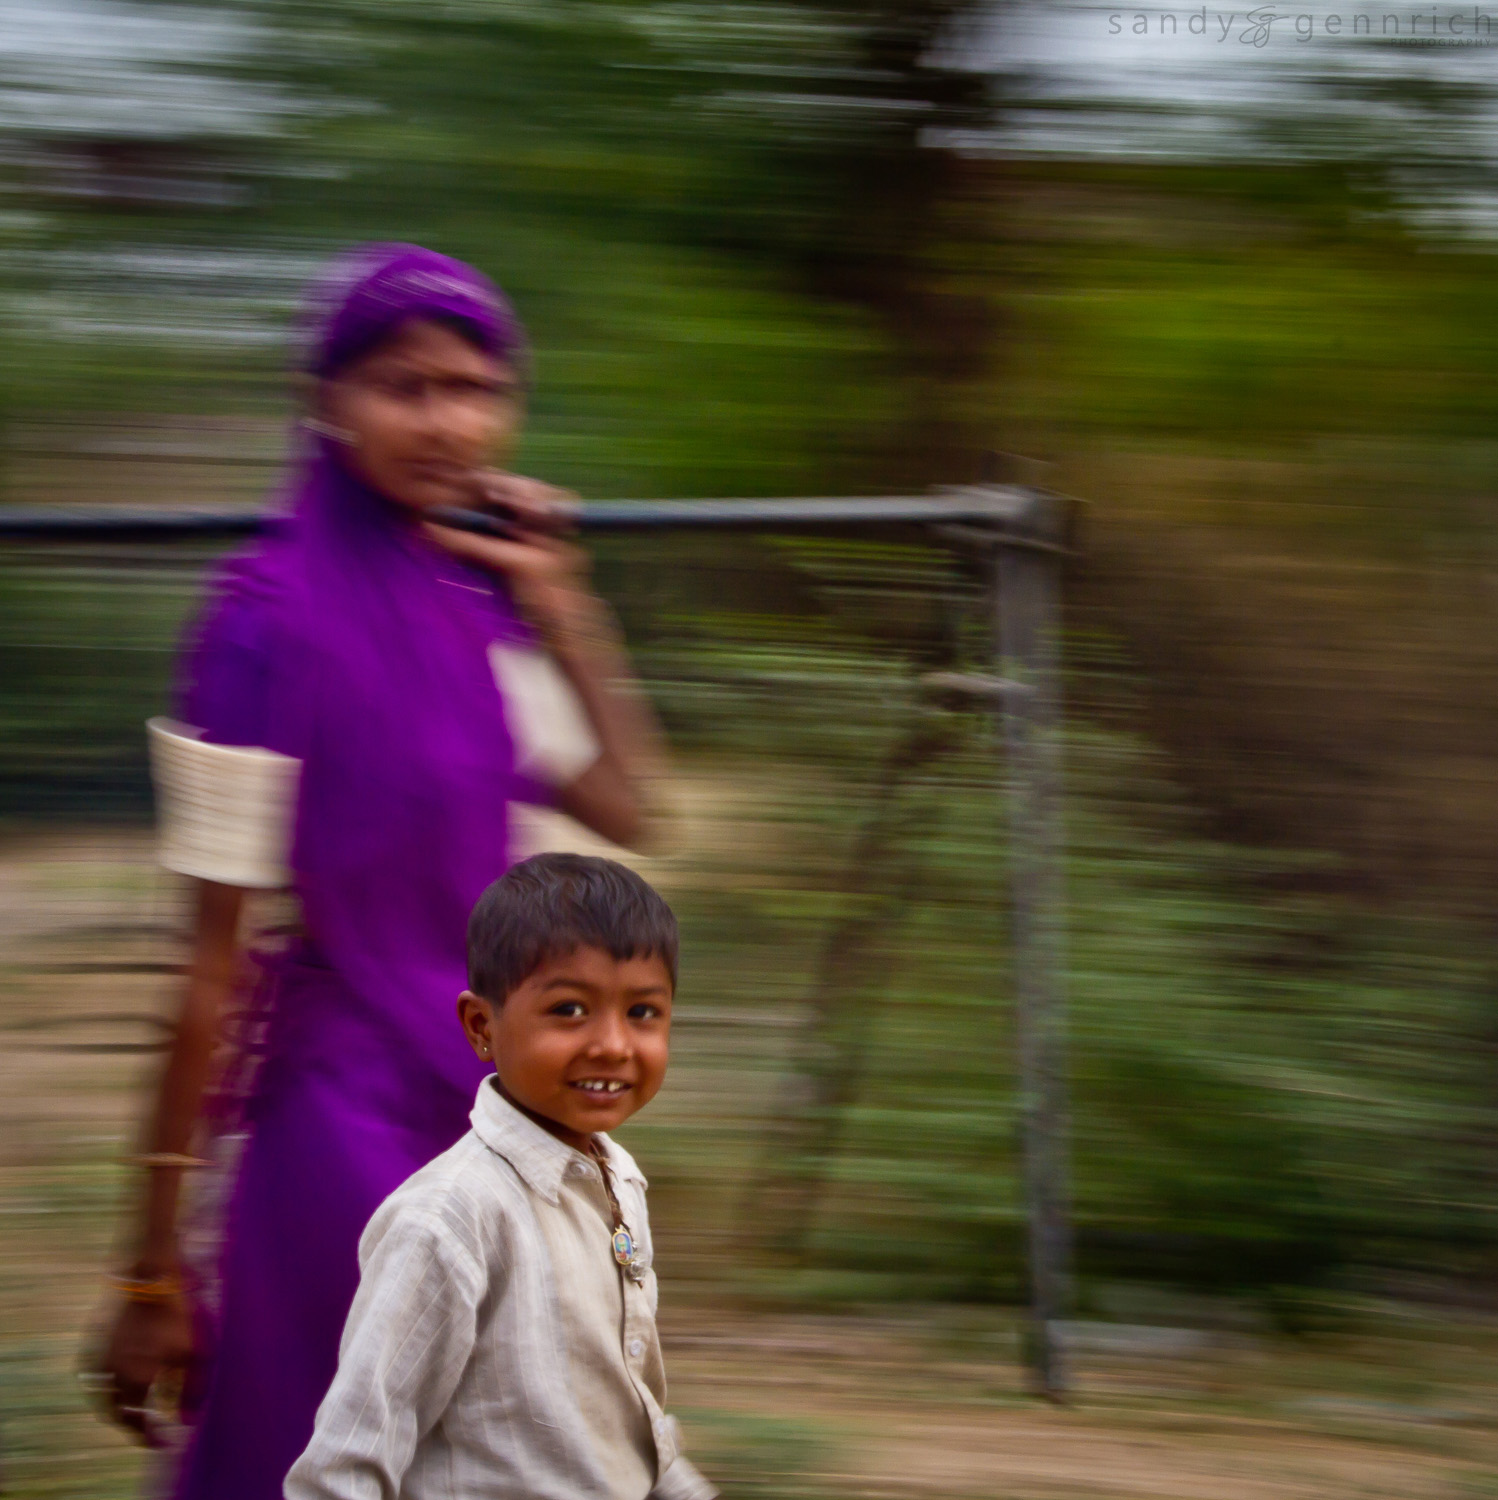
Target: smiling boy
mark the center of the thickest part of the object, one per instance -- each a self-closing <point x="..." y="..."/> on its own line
<point x="503" y="1339"/>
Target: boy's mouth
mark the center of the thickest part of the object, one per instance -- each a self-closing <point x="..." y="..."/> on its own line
<point x="600" y="1086"/>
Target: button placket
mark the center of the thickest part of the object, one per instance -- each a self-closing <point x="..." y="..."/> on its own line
<point x="637" y="1335"/>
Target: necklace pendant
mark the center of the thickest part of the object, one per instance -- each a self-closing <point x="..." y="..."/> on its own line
<point x="624" y="1247"/>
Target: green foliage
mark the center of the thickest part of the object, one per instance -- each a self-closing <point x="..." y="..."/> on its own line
<point x="1270" y="1089"/>
<point x="1273" y="348"/>
<point x="88" y="654"/>
<point x="758" y="1458"/>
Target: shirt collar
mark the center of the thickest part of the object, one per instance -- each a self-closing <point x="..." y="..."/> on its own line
<point x="537" y="1155"/>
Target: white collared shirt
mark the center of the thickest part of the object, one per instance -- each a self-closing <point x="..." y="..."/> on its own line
<point x="495" y="1349"/>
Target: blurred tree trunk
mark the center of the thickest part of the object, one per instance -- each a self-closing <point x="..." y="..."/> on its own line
<point x="901" y="216"/>
<point x="840" y="120"/>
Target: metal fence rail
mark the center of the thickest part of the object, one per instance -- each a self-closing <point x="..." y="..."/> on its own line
<point x="1015" y="514"/>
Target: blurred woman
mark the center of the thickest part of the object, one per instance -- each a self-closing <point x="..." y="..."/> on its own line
<point x="362" y="639"/>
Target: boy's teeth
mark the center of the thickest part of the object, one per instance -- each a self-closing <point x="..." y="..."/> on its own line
<point x="601" y="1085"/>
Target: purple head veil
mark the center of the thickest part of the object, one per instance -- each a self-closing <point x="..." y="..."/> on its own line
<point x="364" y="293"/>
<point x="379" y="681"/>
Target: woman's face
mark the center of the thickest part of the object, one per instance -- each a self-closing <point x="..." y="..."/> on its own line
<point x="424" y="411"/>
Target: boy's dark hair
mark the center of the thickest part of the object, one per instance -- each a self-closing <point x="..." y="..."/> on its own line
<point x="551" y="905"/>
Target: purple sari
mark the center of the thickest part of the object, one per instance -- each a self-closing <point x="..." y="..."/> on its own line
<point x="344" y="639"/>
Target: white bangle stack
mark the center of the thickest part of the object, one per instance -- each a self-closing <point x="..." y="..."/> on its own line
<point x="223" y="812"/>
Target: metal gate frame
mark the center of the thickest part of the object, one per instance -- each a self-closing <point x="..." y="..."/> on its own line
<point x="1023" y="535"/>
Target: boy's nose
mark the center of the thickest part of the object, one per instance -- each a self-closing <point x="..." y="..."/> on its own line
<point x="609" y="1038"/>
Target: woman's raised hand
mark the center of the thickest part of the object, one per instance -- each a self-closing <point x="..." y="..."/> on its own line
<point x="547" y="576"/>
<point x="533" y="504"/>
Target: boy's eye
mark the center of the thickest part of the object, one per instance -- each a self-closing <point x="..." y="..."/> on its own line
<point x="644" y="1011"/>
<point x="567" y="1008"/>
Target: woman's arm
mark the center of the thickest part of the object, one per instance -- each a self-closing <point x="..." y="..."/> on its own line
<point x="548" y="580"/>
<point x="607" y="797"/>
<point x="151" y="1336"/>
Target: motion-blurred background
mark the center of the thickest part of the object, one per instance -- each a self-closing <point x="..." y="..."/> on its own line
<point x="1228" y="277"/>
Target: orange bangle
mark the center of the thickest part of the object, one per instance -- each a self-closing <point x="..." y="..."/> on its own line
<point x="152" y="1291"/>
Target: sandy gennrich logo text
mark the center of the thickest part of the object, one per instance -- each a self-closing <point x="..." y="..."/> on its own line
<point x="1431" y="25"/>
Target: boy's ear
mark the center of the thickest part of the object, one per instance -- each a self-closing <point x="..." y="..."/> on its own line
<point x="474" y="1016"/>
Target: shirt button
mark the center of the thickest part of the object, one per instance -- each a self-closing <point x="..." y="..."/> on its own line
<point x="579" y="1169"/>
<point x="636" y="1348"/>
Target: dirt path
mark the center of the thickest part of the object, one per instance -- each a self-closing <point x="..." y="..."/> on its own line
<point x="894" y="1417"/>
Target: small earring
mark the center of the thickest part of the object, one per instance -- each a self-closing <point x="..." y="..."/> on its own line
<point x="330" y="430"/>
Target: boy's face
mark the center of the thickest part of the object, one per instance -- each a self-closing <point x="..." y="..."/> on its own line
<point x="582" y="1043"/>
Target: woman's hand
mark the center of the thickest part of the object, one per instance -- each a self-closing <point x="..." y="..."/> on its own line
<point x="534" y="504"/>
<point x="548" y="577"/>
<point x="148" y="1342"/>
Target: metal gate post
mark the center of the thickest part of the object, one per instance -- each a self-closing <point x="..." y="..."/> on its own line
<point x="1027" y="631"/>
